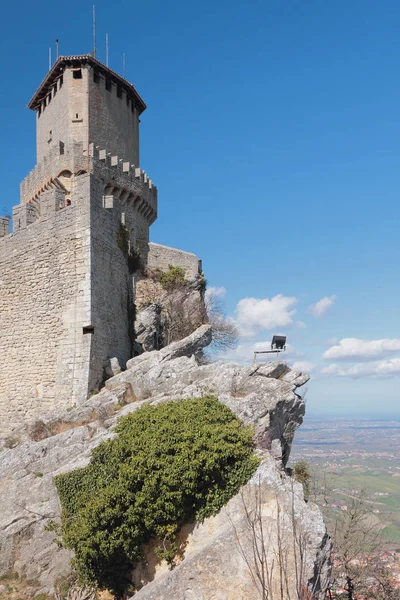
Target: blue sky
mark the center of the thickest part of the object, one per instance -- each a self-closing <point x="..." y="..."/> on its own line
<point x="272" y="132"/>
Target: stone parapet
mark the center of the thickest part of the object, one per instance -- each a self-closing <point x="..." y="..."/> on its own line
<point x="124" y="180"/>
<point x="68" y="158"/>
<point x="160" y="257"/>
<point x="121" y="179"/>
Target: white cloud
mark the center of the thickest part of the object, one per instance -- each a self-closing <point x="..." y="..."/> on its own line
<point x="379" y="369"/>
<point x="322" y="306"/>
<point x="303" y="365"/>
<point x="215" y="292"/>
<point x="353" y="349"/>
<point x="255" y="314"/>
<point x="301" y="325"/>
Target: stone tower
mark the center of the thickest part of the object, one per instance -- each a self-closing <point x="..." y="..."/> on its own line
<point x="66" y="282"/>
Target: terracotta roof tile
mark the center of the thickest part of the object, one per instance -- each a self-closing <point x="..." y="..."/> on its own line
<point x="57" y="70"/>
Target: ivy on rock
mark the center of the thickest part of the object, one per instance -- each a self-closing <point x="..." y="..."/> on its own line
<point x="169" y="464"/>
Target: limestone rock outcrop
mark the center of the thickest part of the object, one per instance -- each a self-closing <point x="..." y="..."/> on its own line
<point x="166" y="315"/>
<point x="236" y="556"/>
<point x="264" y="395"/>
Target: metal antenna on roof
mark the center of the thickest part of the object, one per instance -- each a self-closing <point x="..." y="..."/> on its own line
<point x="57" y="49"/>
<point x="49" y="59"/>
<point x="106" y="49"/>
<point x="94" y="31"/>
<point x="123" y="65"/>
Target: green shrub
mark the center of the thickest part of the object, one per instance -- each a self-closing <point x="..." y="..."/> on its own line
<point x="169" y="464"/>
<point x="173" y="278"/>
<point x="123" y="234"/>
<point x="301" y="472"/>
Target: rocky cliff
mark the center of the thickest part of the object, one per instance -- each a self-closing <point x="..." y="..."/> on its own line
<point x="267" y="537"/>
<point x="167" y="310"/>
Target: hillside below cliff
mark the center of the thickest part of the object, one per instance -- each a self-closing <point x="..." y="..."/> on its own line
<point x="265" y="539"/>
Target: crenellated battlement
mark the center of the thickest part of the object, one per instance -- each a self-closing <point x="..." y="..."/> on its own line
<point x="68" y="159"/>
<point x="123" y="180"/>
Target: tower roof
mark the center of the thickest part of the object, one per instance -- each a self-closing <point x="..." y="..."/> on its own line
<point x="75" y="61"/>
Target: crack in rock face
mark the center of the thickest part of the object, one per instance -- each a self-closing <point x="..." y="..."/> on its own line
<point x="213" y="567"/>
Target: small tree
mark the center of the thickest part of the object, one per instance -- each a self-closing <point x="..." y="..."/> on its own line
<point x="355" y="537"/>
<point x="185" y="311"/>
<point x="225" y="332"/>
<point x="173" y="278"/>
<point x="301" y="473"/>
<point x="276" y="550"/>
<point x="182" y="313"/>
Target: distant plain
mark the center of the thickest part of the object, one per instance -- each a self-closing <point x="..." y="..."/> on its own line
<point x="350" y="455"/>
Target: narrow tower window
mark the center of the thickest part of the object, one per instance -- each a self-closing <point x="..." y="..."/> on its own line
<point x="108" y="84"/>
<point x="96" y="76"/>
<point x="77" y="73"/>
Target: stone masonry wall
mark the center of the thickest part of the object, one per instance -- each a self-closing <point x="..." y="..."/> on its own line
<point x="112" y="288"/>
<point x="66" y="116"/>
<point x="160" y="257"/>
<point x="114" y="121"/>
<point x="45" y="298"/>
<point x="52" y="118"/>
<point x="116" y="209"/>
<point x="83" y="110"/>
<point x="67" y="295"/>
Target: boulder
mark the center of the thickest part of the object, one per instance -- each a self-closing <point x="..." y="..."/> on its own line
<point x="149" y="327"/>
<point x="275" y="369"/>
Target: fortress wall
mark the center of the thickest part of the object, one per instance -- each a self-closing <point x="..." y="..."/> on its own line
<point x="44" y="302"/>
<point x="113" y="123"/>
<point x="140" y="238"/>
<point x="112" y="292"/>
<point x="160" y="257"/>
<point x="112" y="283"/>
